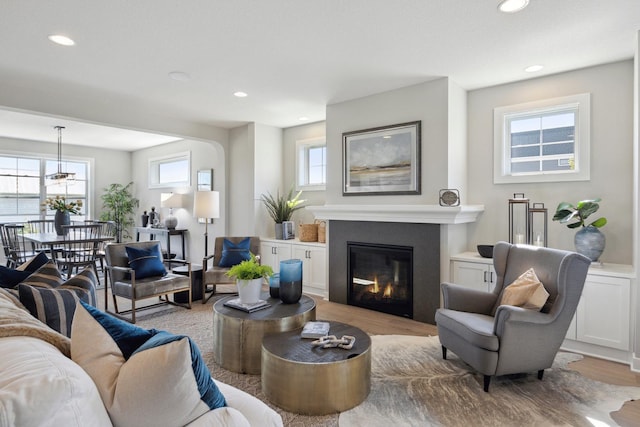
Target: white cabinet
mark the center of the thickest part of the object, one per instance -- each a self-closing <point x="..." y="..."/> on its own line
<point x="274" y="251"/>
<point x="312" y="254"/>
<point x="603" y="313"/>
<point x="314" y="268"/>
<point x="474" y="275"/>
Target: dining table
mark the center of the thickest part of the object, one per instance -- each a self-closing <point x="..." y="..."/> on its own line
<point x="50" y="240"/>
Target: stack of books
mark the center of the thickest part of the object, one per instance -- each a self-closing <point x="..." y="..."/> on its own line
<point x="315" y="330"/>
<point x="249" y="308"/>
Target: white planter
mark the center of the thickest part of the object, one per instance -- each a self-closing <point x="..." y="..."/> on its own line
<point x="249" y="290"/>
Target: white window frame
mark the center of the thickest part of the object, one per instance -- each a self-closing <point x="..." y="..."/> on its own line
<point x="502" y="142"/>
<point x="156" y="163"/>
<point x="302" y="167"/>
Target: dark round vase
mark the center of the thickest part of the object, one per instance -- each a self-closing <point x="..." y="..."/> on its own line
<point x="590" y="242"/>
<point x="290" y="292"/>
<point x="61" y="218"/>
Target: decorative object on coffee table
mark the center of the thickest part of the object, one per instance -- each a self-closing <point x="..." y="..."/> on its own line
<point x="274" y="286"/>
<point x="290" y="281"/>
<point x="589" y="240"/>
<point x="249" y="276"/>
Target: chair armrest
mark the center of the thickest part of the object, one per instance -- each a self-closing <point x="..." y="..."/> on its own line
<point x="461" y="298"/>
<point x="176" y="261"/>
<point x="121" y="269"/>
<point x="511" y="314"/>
<point x="204" y="261"/>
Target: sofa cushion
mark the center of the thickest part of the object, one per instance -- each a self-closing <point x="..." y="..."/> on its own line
<point x="40" y="386"/>
<point x="11" y="277"/>
<point x="474" y="328"/>
<point x="55" y="307"/>
<point x="145" y="377"/>
<point x="234" y="254"/>
<point x="48" y="276"/>
<point x="146" y="262"/>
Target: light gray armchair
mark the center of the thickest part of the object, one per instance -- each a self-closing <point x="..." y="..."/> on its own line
<point x="502" y="339"/>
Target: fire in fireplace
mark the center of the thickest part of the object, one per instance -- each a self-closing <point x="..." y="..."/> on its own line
<point x="381" y="277"/>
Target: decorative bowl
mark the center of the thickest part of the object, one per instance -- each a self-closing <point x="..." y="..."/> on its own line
<point x="485" y="251"/>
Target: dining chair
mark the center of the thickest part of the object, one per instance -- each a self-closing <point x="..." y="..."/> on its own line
<point x="78" y="249"/>
<point x="108" y="228"/>
<point x="40" y="226"/>
<point x="20" y="250"/>
<point x="5" y="245"/>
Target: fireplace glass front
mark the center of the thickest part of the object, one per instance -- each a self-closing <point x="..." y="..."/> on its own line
<point x="381" y="278"/>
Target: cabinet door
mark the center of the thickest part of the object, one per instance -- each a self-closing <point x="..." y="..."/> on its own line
<point x="603" y="316"/>
<point x="314" y="265"/>
<point x="272" y="253"/>
<point x="473" y="275"/>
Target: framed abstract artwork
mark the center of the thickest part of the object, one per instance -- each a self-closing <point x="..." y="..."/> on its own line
<point x="383" y="160"/>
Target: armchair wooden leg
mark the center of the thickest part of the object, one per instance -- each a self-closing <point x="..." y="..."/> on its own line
<point x="487" y="380"/>
<point x="540" y="374"/>
<point x="444" y="352"/>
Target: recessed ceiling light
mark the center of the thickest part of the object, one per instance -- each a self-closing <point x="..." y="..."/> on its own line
<point x="62" y="40"/>
<point x="240" y="94"/>
<point x="180" y="76"/>
<point x="303" y="118"/>
<point x="533" y="68"/>
<point x="511" y="6"/>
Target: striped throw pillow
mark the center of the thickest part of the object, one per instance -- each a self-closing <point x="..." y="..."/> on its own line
<point x="56" y="306"/>
<point x="48" y="276"/>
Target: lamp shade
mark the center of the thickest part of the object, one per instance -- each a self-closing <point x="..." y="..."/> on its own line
<point x="206" y="204"/>
<point x="170" y="200"/>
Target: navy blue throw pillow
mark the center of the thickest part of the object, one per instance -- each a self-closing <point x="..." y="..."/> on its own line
<point x="234" y="254"/>
<point x="146" y="262"/>
<point x="10" y="278"/>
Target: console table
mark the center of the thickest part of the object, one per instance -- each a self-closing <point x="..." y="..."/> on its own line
<point x="165" y="232"/>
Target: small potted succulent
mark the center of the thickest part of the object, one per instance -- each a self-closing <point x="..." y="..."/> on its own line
<point x="249" y="275"/>
<point x="589" y="240"/>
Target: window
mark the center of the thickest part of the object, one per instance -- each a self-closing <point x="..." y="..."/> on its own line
<point x="23" y="189"/>
<point x="170" y="171"/>
<point x="311" y="164"/>
<point x="542" y="141"/>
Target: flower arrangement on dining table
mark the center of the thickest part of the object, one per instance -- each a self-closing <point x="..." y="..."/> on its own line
<point x="59" y="203"/>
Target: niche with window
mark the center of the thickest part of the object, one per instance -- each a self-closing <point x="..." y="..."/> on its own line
<point x="542" y="141"/>
<point x="311" y="164"/>
<point x="170" y="171"/>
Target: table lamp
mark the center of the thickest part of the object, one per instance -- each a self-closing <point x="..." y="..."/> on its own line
<point x="206" y="204"/>
<point x="171" y="200"/>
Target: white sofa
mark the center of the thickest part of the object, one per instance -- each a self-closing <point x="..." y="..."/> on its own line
<point x="40" y="385"/>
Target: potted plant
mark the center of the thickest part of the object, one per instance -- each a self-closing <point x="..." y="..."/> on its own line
<point x="589" y="240"/>
<point x="63" y="210"/>
<point x="249" y="275"/>
<point x="119" y="206"/>
<point x="281" y="207"/>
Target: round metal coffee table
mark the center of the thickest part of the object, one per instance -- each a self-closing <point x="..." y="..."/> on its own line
<point x="237" y="335"/>
<point x="304" y="379"/>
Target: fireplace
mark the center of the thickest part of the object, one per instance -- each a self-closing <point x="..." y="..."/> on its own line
<point x="380" y="277"/>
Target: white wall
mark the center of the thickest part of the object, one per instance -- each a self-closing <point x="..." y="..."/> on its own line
<point x="427" y="102"/>
<point x="204" y="155"/>
<point x="611" y="91"/>
<point x="636" y="210"/>
<point x="241" y="172"/>
<point x="109" y="166"/>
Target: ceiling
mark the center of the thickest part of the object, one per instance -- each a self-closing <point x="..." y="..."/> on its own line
<point x="292" y="57"/>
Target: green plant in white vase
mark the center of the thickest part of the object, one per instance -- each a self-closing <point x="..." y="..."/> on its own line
<point x="249" y="275"/>
<point x="589" y="240"/>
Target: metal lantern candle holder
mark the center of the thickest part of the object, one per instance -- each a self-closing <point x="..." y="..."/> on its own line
<point x="518" y="218"/>
<point x="538" y="225"/>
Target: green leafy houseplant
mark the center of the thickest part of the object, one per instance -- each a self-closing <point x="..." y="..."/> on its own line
<point x="250" y="269"/>
<point x="281" y="207"/>
<point x="119" y="206"/>
<point x="566" y="212"/>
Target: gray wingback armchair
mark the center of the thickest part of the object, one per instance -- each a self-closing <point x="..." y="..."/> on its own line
<point x="501" y="339"/>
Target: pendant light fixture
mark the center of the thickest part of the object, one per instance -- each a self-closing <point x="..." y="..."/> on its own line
<point x="60" y="178"/>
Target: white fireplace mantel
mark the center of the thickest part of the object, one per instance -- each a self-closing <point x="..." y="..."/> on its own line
<point x="422" y="214"/>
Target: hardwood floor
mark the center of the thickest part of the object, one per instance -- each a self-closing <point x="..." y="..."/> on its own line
<point x="376" y="323"/>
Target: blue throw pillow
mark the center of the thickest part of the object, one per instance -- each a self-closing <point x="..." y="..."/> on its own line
<point x="9" y="277"/>
<point x="234" y="254"/>
<point x="143" y="372"/>
<point x="146" y="262"/>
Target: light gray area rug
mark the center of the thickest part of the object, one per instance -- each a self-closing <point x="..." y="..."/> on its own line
<point x="413" y="386"/>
